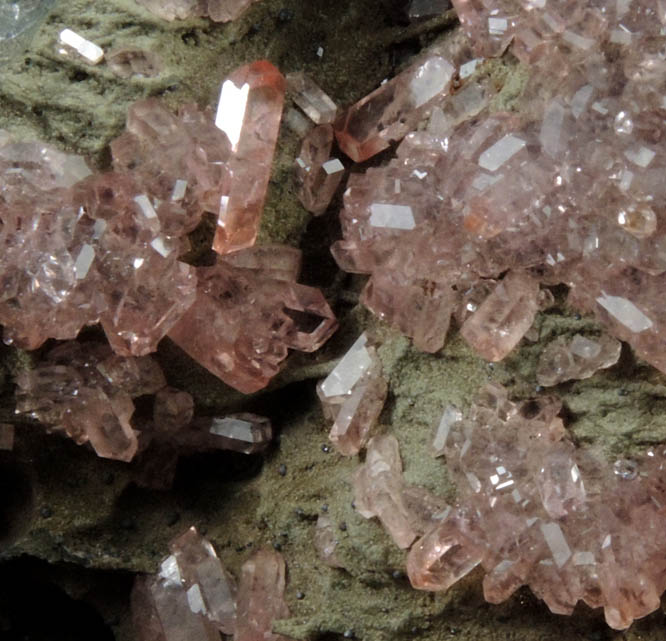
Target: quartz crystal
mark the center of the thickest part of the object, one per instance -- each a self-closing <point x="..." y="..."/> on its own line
<point x="353" y="396"/>
<point x="535" y="510"/>
<point x="261" y="597"/>
<point x="128" y="62"/>
<point x="317" y="174"/>
<point x="79" y="248"/>
<point x="579" y="357"/>
<point x="249" y="113"/>
<point x="315" y="102"/>
<point x="380" y="490"/>
<point x="326" y="541"/>
<point x="205" y="580"/>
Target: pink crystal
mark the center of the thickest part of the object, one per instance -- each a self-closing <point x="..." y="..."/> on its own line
<point x="393" y="109"/>
<point x="249" y="113"/>
<point x="503" y="318"/>
<point x="315" y="102"/>
<point x="317" y="174"/>
<point x="579" y="357"/>
<point x="173" y="409"/>
<point x="379" y="490"/>
<point x="261" y="597"/>
<point x="535" y="510"/>
<point x="90" y="397"/>
<point x="205" y="579"/>
<point x="352" y="396"/>
<point x="224" y="331"/>
<point x="190" y="598"/>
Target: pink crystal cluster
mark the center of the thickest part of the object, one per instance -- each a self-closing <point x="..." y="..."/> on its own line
<point x="80" y="248"/>
<point x="535" y="510"/>
<point x="86" y="392"/>
<point x="194" y="597"/>
<point x="478" y="209"/>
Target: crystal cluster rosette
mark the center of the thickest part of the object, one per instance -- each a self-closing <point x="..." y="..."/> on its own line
<point x="570" y="191"/>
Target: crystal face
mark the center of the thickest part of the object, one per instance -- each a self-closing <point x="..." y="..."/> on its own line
<point x="534" y="510"/>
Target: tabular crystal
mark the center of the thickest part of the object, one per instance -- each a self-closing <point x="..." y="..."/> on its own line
<point x="316" y="103"/>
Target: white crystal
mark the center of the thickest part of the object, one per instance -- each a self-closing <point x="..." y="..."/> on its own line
<point x="504" y="149"/>
<point x="146" y="206"/>
<point x="195" y="599"/>
<point x="625" y="312"/>
<point x="392" y="216"/>
<point x="556" y="542"/>
<point x="468" y="68"/>
<point x="83" y="261"/>
<point x="451" y="416"/>
<point x="432" y="78"/>
<point x="233" y="428"/>
<point x="179" y="189"/>
<point x="641" y="156"/>
<point x="231" y="110"/>
<point x="349" y="370"/>
<point x="333" y="166"/>
<point x="89" y="50"/>
<point x="169" y="571"/>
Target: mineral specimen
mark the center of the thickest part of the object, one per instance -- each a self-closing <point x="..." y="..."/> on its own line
<point x="128" y="62"/>
<point x="393" y="109"/>
<point x="86" y="391"/>
<point x="353" y="395"/>
<point x="317" y="174"/>
<point x="315" y="102"/>
<point x="72" y="43"/>
<point x="380" y="490"/>
<point x="81" y="248"/>
<point x="567" y="191"/>
<point x="534" y="510"/>
<point x="325" y="541"/>
<point x="225" y="332"/>
<point x="261" y="597"/>
<point x="580" y="357"/>
<point x="191" y="597"/>
<point x="249" y="113"/>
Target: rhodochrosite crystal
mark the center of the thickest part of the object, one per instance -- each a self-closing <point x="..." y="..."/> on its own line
<point x="477" y="208"/>
<point x="534" y="510"/>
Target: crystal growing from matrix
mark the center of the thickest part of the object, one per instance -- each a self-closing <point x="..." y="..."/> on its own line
<point x="535" y="510"/>
<point x="564" y="189"/>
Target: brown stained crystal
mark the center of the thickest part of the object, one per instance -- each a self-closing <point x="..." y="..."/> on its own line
<point x="249" y="113"/>
<point x="317" y="174"/>
<point x="393" y="109"/>
<point x="173" y="409"/>
<point x="261" y="597"/>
